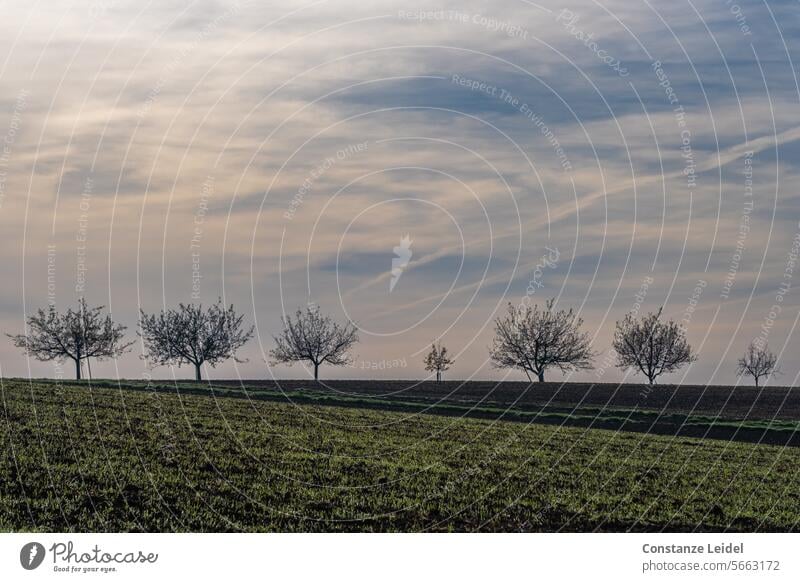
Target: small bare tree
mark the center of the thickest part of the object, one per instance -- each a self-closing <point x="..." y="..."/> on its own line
<point x="758" y="362"/>
<point x="314" y="338"/>
<point x="437" y="360"/>
<point x="193" y="335"/>
<point x="651" y="346"/>
<point x="76" y="335"/>
<point x="534" y="339"/>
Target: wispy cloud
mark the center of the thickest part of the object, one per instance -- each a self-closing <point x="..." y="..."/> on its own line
<point x="284" y="149"/>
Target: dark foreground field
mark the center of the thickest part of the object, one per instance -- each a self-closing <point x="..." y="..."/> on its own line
<point x="742" y="414"/>
<point x="746" y="401"/>
<point x="110" y="459"/>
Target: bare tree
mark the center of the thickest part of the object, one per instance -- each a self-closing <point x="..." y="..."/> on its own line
<point x="193" y="335"/>
<point x="437" y="360"/>
<point x="534" y="339"/>
<point x="314" y="338"/>
<point x="651" y="346"/>
<point x="76" y="335"/>
<point x="758" y="362"/>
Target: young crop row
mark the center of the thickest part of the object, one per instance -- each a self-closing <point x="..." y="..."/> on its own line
<point x="98" y="459"/>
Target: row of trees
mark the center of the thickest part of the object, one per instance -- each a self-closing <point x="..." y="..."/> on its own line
<point x="532" y="339"/>
<point x="188" y="334"/>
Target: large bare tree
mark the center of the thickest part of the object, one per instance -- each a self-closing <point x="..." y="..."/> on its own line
<point x="758" y="362"/>
<point x="651" y="346"/>
<point x="76" y="335"/>
<point x="315" y="338"/>
<point x="534" y="339"/>
<point x="437" y="360"/>
<point x="193" y="335"/>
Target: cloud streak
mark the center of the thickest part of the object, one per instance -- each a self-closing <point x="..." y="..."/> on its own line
<point x="276" y="154"/>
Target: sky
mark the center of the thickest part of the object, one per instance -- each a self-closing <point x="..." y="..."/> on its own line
<point x="616" y="155"/>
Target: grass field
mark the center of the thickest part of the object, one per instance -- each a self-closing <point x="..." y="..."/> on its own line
<point x="743" y="413"/>
<point x="110" y="459"/>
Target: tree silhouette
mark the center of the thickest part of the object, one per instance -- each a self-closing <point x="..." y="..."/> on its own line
<point x="76" y="335"/>
<point x="437" y="360"/>
<point x="314" y="338"/>
<point x="534" y="339"/>
<point x="651" y="346"/>
<point x="193" y="335"/>
<point x="758" y="362"/>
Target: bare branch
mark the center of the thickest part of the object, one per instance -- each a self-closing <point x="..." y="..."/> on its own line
<point x="651" y="346"/>
<point x="193" y="335"/>
<point x="315" y="338"/>
<point x="758" y="362"/>
<point x="534" y="339"/>
<point x="437" y="360"/>
<point x="76" y="335"/>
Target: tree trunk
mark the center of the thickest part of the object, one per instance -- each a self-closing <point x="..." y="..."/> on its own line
<point x="197" y="375"/>
<point x="77" y="369"/>
<point x="316" y="371"/>
<point x="541" y="376"/>
<point x="756" y="381"/>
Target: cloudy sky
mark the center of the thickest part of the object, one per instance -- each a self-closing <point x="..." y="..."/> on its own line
<point x="617" y="155"/>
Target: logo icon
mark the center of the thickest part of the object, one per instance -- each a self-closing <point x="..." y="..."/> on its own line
<point x="400" y="262"/>
<point x="31" y="555"/>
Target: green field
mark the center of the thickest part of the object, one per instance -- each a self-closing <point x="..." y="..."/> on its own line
<point x="106" y="459"/>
